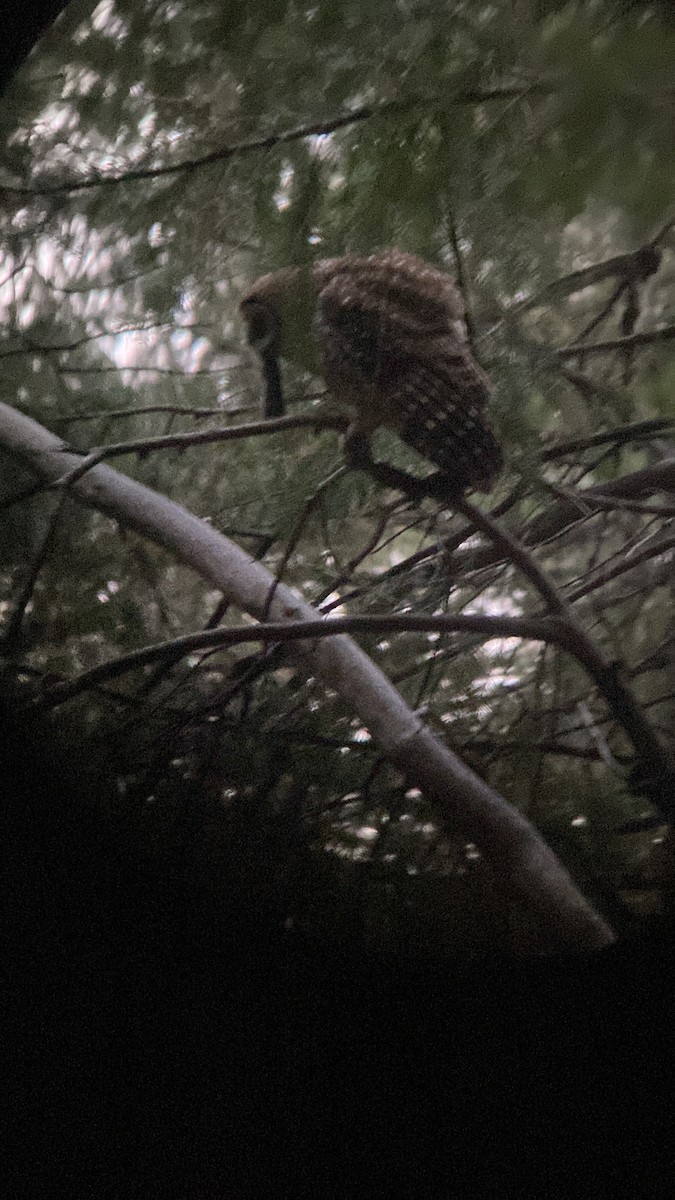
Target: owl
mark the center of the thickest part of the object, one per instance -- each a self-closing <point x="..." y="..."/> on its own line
<point x="386" y="331"/>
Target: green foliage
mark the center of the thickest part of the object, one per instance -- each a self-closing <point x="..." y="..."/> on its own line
<point x="511" y="144"/>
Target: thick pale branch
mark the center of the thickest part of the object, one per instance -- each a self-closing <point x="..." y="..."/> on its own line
<point x="530" y="873"/>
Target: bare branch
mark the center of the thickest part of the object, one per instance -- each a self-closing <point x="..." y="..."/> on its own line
<point x="653" y="549"/>
<point x="513" y="745"/>
<point x="647" y="337"/>
<point x="604" y="312"/>
<point x="514" y="550"/>
<point x="606" y="674"/>
<point x="28" y="347"/>
<point x="660" y="477"/>
<point x="19" y="497"/>
<point x="651" y="755"/>
<point x="620" y="266"/>
<point x="202" y="437"/>
<point x="535" y="629"/>
<point x="81" y="369"/>
<point x="638" y="431"/>
<point x="665" y="229"/>
<point x="528" y="870"/>
<point x="109" y="414"/>
<point x="588" y="502"/>
<point x="310" y="506"/>
<point x="269" y="141"/>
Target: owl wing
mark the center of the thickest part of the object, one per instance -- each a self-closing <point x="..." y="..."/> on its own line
<point x="393" y="354"/>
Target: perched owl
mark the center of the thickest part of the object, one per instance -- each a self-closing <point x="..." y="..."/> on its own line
<point x="387" y="334"/>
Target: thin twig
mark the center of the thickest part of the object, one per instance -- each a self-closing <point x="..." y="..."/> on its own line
<point x="515" y="551"/>
<point x="637" y="431"/>
<point x="550" y="746"/>
<point x="29" y="347"/>
<point x="621" y="266"/>
<point x="202" y="437"/>
<point x="556" y="520"/>
<point x="143" y="411"/>
<point x="627" y="563"/>
<point x="535" y="628"/>
<point x="651" y="755"/>
<point x="16" y="620"/>
<point x="269" y="141"/>
<point x="462" y="280"/>
<point x="308" y="508"/>
<point x="604" y="312"/>
<point x="589" y="502"/>
<point x="646" y="337"/>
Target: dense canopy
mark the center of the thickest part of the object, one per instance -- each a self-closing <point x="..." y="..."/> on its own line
<point x="155" y="159"/>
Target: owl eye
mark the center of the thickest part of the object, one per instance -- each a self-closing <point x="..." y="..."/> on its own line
<point x="264" y="327"/>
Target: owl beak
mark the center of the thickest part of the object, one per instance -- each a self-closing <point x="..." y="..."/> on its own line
<point x="274" y="395"/>
<point x="264" y="335"/>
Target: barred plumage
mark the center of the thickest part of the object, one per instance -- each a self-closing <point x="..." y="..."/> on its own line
<point x="390" y="341"/>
